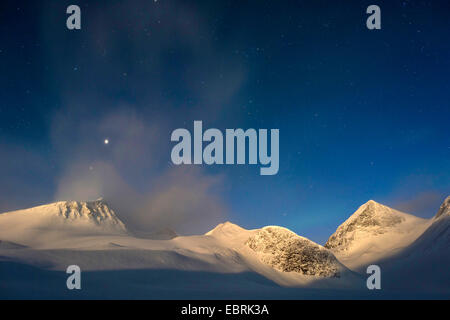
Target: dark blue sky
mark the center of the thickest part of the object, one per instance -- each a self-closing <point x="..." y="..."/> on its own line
<point x="362" y="114"/>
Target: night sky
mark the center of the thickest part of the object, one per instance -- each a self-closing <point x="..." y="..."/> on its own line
<point x="363" y="114"/>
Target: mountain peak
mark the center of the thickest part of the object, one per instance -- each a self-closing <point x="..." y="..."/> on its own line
<point x="374" y="213"/>
<point x="373" y="203"/>
<point x="67" y="217"/>
<point x="444" y="209"/>
<point x="371" y="219"/>
<point x="227" y="228"/>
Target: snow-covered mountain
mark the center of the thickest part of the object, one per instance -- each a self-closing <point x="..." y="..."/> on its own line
<point x="58" y="221"/>
<point x="374" y="232"/>
<point x="280" y="249"/>
<point x="92" y="236"/>
<point x="156" y="234"/>
<point x="284" y="257"/>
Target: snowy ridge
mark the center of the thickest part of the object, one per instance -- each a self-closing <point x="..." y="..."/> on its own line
<point x="285" y="251"/>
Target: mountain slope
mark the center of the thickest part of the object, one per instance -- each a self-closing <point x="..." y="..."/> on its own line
<point x="374" y="232"/>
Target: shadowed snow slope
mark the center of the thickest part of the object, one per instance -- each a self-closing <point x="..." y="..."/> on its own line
<point x="424" y="264"/>
<point x="374" y="232"/>
<point x="436" y="238"/>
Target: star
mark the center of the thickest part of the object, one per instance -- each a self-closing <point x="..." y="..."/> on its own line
<point x="106" y="141"/>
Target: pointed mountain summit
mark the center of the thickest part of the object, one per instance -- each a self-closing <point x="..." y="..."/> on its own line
<point x="374" y="230"/>
<point x="226" y="229"/>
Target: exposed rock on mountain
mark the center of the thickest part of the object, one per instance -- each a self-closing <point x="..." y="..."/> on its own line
<point x="444" y="210"/>
<point x="285" y="251"/>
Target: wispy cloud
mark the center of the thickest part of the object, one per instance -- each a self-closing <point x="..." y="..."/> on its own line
<point x="424" y="204"/>
<point x="132" y="172"/>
